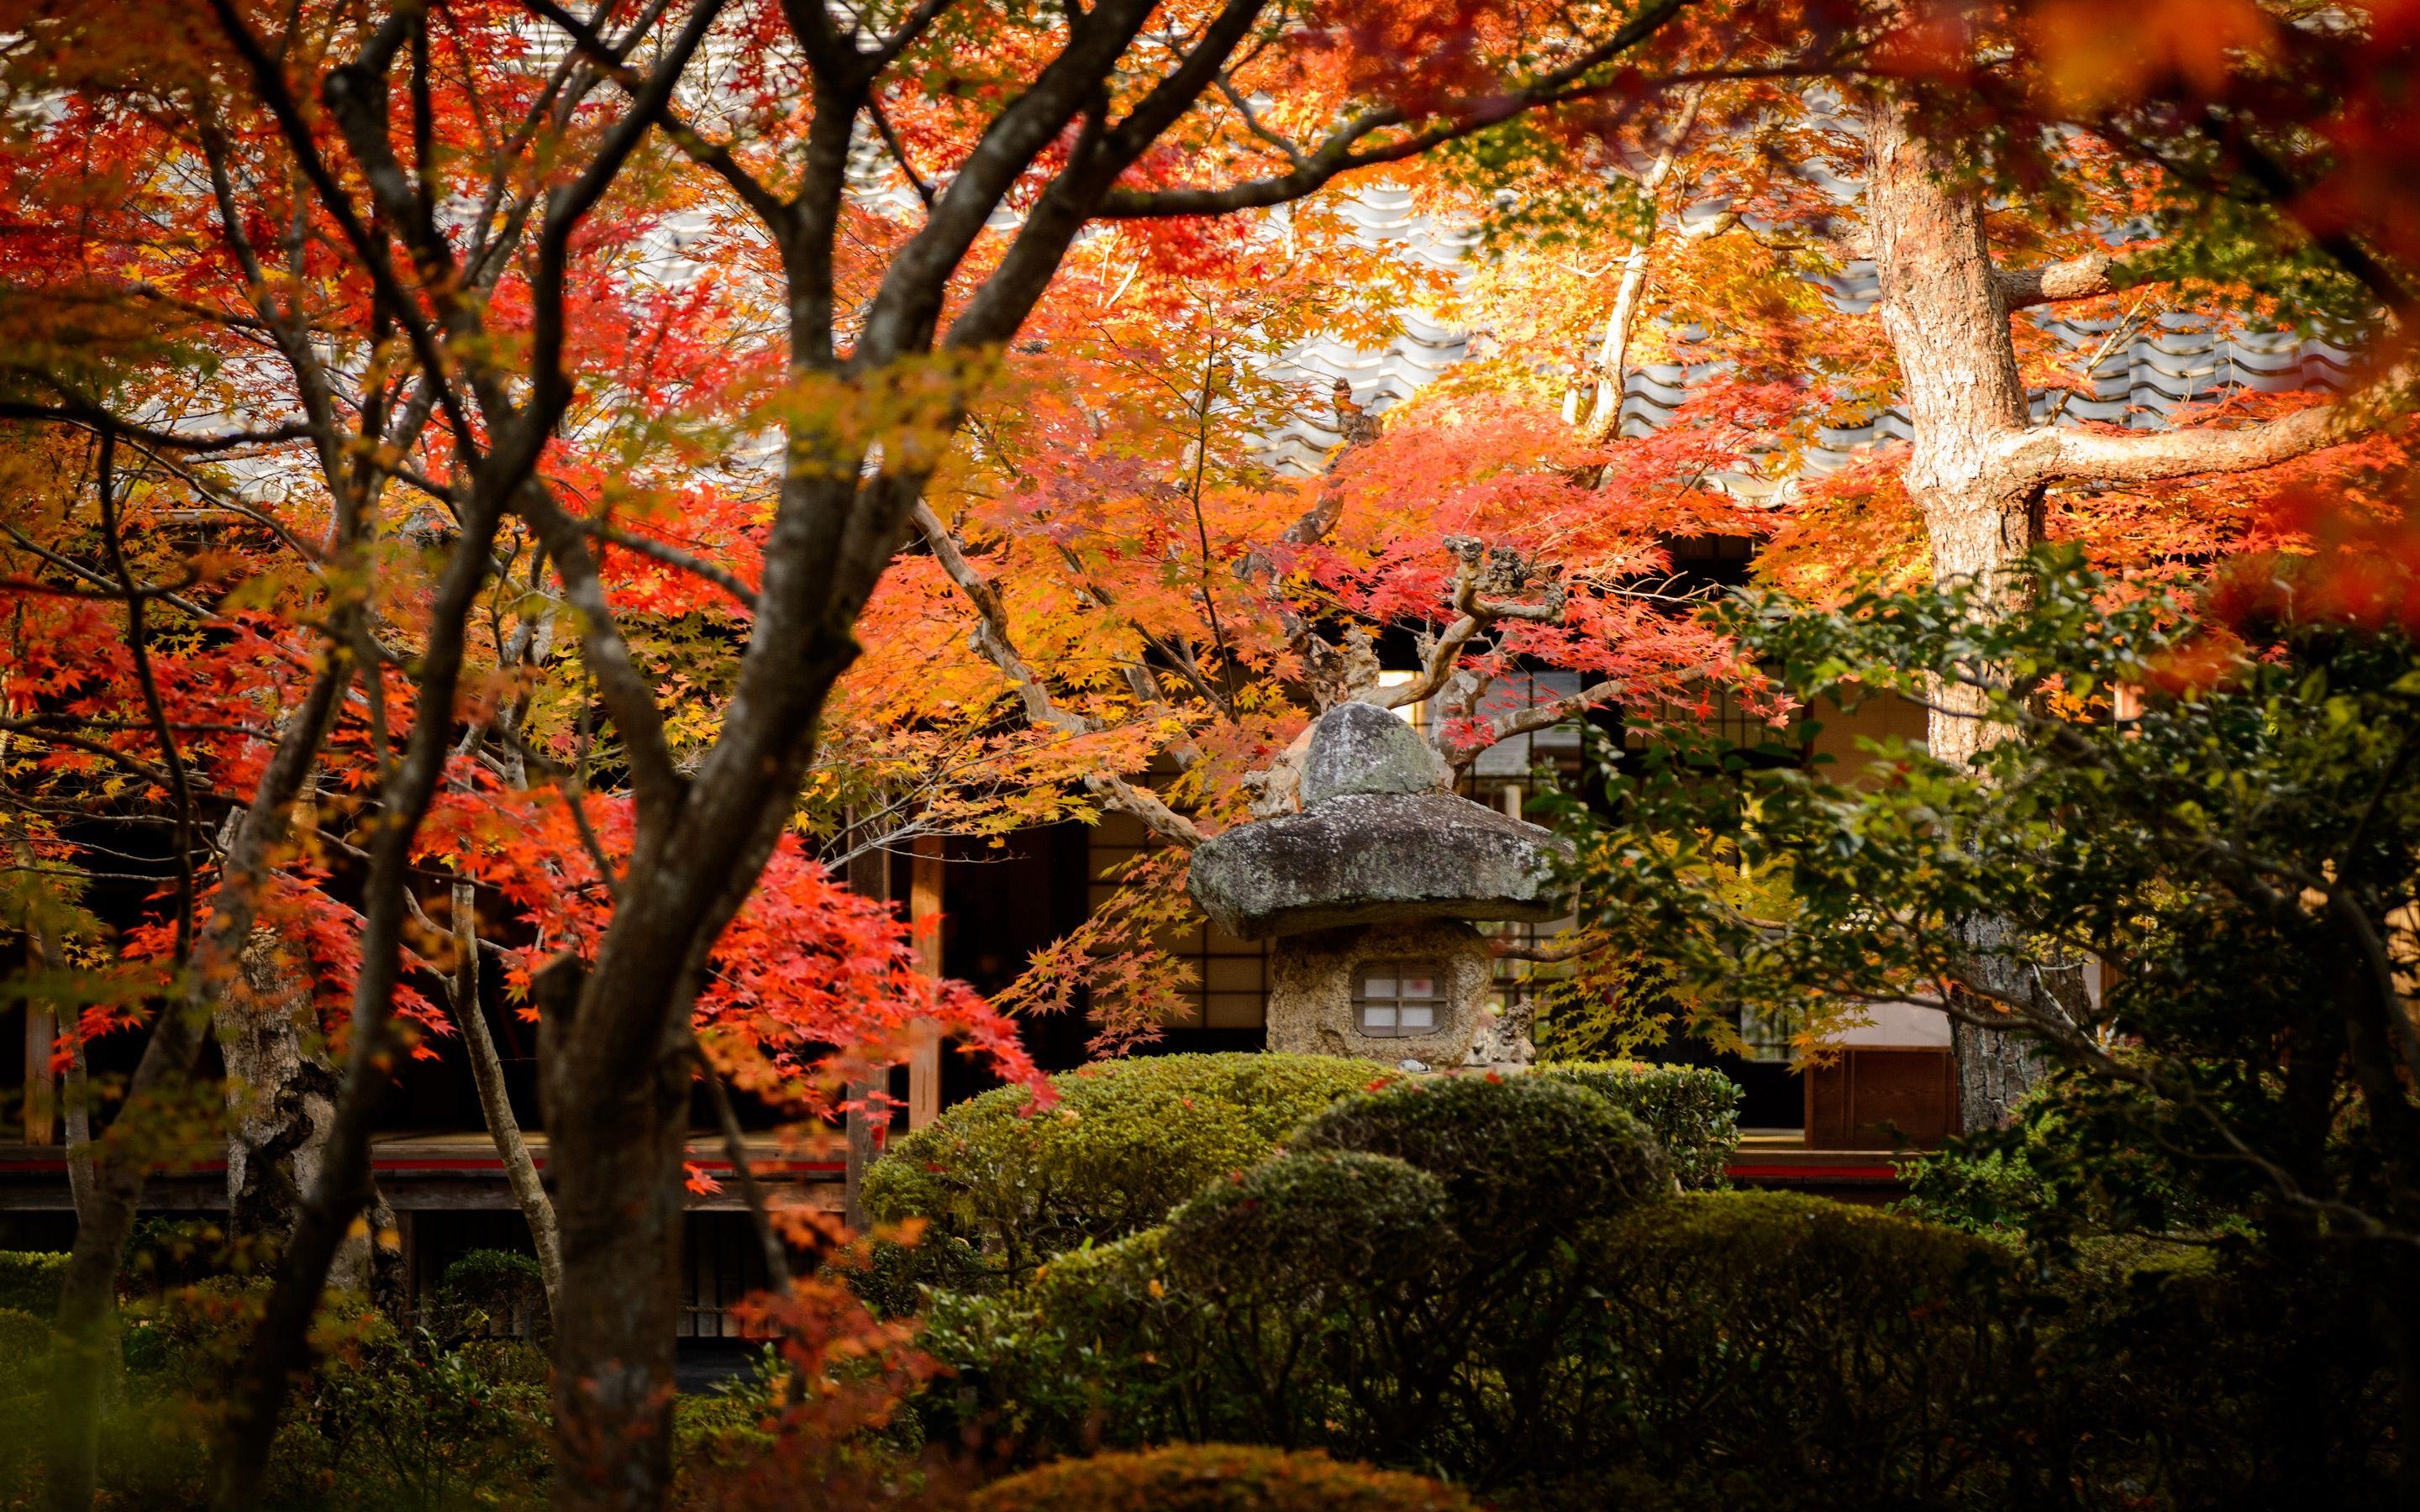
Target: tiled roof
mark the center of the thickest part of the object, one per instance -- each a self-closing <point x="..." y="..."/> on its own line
<point x="2177" y="359"/>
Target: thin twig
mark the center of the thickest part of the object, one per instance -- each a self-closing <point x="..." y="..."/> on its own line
<point x="172" y="756"/>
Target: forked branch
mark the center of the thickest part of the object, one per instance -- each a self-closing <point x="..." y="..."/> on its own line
<point x="991" y="641"/>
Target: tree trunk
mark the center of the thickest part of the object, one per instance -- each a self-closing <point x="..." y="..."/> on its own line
<point x="1948" y="320"/>
<point x="116" y="1167"/>
<point x="495" y="1104"/>
<point x="617" y="1148"/>
<point x="869" y="876"/>
<point x="76" y="1116"/>
<point x="280" y="1099"/>
<point x="1630" y="295"/>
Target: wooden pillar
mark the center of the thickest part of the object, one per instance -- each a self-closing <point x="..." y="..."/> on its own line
<point x="869" y="876"/>
<point x="41" y="1102"/>
<point x="924" y="918"/>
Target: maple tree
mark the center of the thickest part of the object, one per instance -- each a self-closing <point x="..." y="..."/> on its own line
<point x="2154" y="167"/>
<point x="460" y="448"/>
<point x="1980" y="472"/>
<point x="458" y="441"/>
<point x="221" y="620"/>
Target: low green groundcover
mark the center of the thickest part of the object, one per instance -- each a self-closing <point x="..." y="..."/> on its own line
<point x="1215" y="1477"/>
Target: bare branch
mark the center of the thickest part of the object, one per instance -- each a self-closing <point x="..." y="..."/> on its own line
<point x="735" y="1149"/>
<point x="656" y="784"/>
<point x="992" y="641"/>
<point x="1554" y="711"/>
<point x="2052" y="454"/>
<point x="1588" y="942"/>
<point x="899" y="152"/>
<point x="1474" y="562"/>
<point x="715" y="156"/>
<point x="2077" y="278"/>
<point x="138" y="645"/>
<point x="1337" y="155"/>
<point x="93" y="418"/>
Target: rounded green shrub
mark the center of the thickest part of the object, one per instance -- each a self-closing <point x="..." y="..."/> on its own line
<point x="1215" y="1477"/>
<point x="22" y="1335"/>
<point x="1396" y="1287"/>
<point x="29" y="1281"/>
<point x="492" y="1292"/>
<point x="1520" y="1157"/>
<point x="1308" y="1220"/>
<point x="1003" y="1187"/>
<point x="1097" y="1339"/>
<point x="1693" y="1111"/>
<point x="1856" y="1353"/>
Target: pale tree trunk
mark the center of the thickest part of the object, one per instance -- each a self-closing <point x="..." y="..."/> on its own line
<point x="495" y="1105"/>
<point x="1613" y="353"/>
<point x="1629" y="295"/>
<point x="116" y="1165"/>
<point x="1947" y="318"/>
<point x="1978" y="470"/>
<point x="281" y="1101"/>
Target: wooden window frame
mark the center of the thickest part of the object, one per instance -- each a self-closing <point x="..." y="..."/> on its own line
<point x="1395" y="970"/>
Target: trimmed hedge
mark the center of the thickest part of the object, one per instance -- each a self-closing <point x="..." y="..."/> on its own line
<point x="1518" y="1155"/>
<point x="1707" y="1351"/>
<point x="1100" y="1335"/>
<point x="29" y="1281"/>
<point x="1394" y="1288"/>
<point x="1859" y="1357"/>
<point x="1215" y="1478"/>
<point x="488" y="1294"/>
<point x="22" y="1335"/>
<point x="2221" y="1378"/>
<point x="1693" y="1111"/>
<point x="1003" y="1187"/>
<point x="1477" y="1279"/>
<point x="1312" y="1219"/>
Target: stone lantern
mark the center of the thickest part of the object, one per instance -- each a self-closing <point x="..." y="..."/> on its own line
<point x="1370" y="892"/>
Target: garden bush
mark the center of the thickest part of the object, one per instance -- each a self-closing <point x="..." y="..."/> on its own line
<point x="1822" y="1353"/>
<point x="1215" y="1478"/>
<point x="2193" y="1375"/>
<point x="1693" y="1111"/>
<point x="189" y="1337"/>
<point x="1003" y="1187"/>
<point x="1096" y="1347"/>
<point x="22" y="1335"/>
<point x="24" y="1380"/>
<point x="2065" y="1166"/>
<point x="1699" y="1352"/>
<point x="1316" y="1219"/>
<point x="1396" y="1288"/>
<point x="381" y="1422"/>
<point x="29" y="1281"/>
<point x="411" y="1424"/>
<point x="1521" y="1157"/>
<point x="490" y="1293"/>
